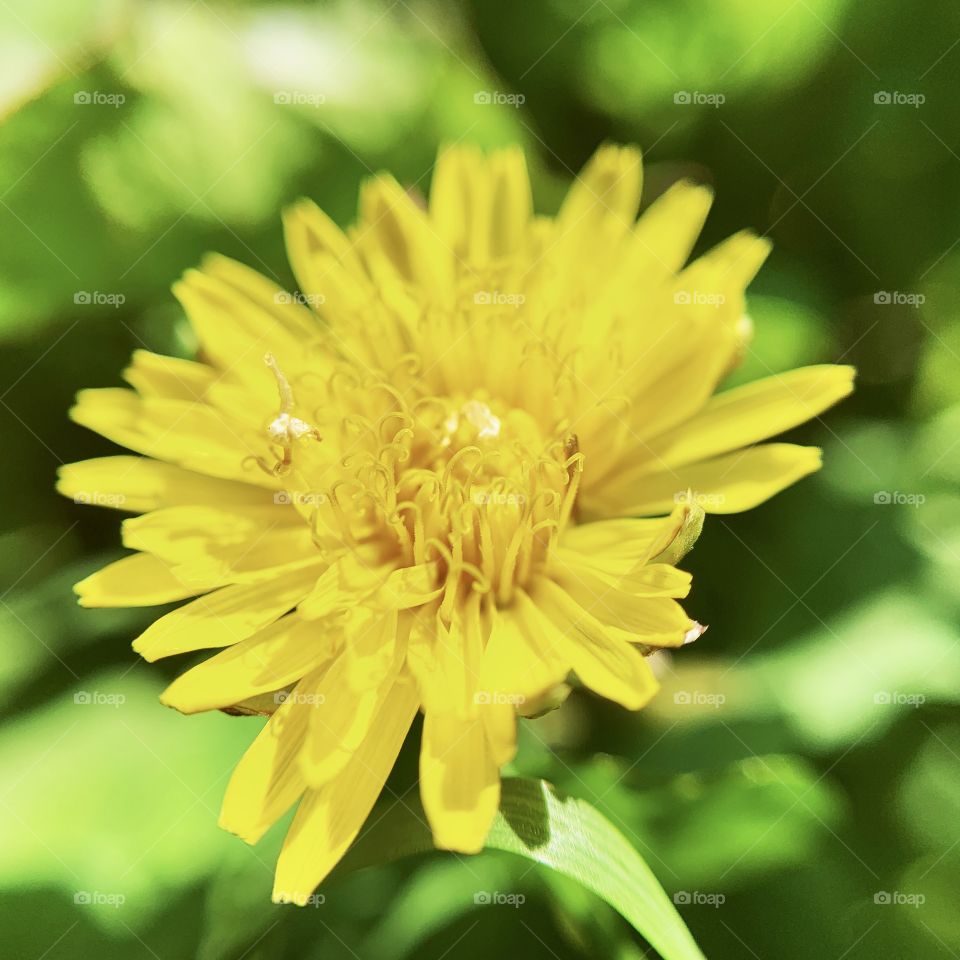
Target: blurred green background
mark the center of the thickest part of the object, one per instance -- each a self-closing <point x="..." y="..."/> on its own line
<point x="796" y="785"/>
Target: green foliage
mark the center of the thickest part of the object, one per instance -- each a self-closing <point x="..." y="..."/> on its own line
<point x="802" y="757"/>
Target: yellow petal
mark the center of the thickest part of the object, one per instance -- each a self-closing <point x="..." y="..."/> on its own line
<point x="267" y="780"/>
<point x="518" y="664"/>
<point x="603" y="661"/>
<point x="481" y="206"/>
<point x="328" y="819"/>
<point x="224" y="617"/>
<point x="500" y="720"/>
<point x="350" y="581"/>
<point x="756" y="411"/>
<point x="243" y="544"/>
<point x="668" y="229"/>
<point x="605" y="195"/>
<point x="659" y="621"/>
<point x="325" y="263"/>
<point x="138" y="485"/>
<point x="728" y="484"/>
<point x="594" y="577"/>
<point x="271" y="659"/>
<point x="618" y="546"/>
<point x="459" y="781"/>
<point x="351" y="690"/>
<point x="445" y="659"/>
<point x="239" y="316"/>
<point x="193" y="435"/>
<point x="396" y="232"/>
<point x="136" y="581"/>
<point x="152" y="374"/>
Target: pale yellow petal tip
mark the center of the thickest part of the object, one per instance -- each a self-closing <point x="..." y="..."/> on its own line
<point x="618" y="155"/>
<point x="296" y="213"/>
<point x="695" y="632"/>
<point x="744" y="253"/>
<point x="65" y="483"/>
<point x="173" y="697"/>
<point x="848" y="374"/>
<point x="82" y="403"/>
<point x="229" y="824"/>
<point x="140" y="648"/>
<point x="211" y="264"/>
<point x="691" y="192"/>
<point x="86" y="591"/>
<point x="642" y="697"/>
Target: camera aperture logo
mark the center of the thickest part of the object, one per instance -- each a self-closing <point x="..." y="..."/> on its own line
<point x="299" y="98"/>
<point x="699" y="698"/>
<point x="99" y="498"/>
<point x="898" y="498"/>
<point x="895" y="698"/>
<point x="698" y="898"/>
<point x="699" y="298"/>
<point x="299" y="498"/>
<point x="303" y="699"/>
<point x="705" y="500"/>
<point x="487" y="898"/>
<point x="486" y="98"/>
<point x="99" y="698"/>
<point x="313" y="900"/>
<point x="98" y="98"/>
<point x="98" y="298"/>
<point x="897" y="98"/>
<point x="483" y="697"/>
<point x="899" y="898"/>
<point x="303" y="299"/>
<point x="498" y="298"/>
<point x="898" y="298"/>
<point x="97" y="898"/>
<point x="697" y="98"/>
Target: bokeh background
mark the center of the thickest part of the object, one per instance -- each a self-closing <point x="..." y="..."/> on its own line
<point x="796" y="786"/>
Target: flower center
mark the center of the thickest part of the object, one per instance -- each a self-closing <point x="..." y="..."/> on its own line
<point x="475" y="489"/>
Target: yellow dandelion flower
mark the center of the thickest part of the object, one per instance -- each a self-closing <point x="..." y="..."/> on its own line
<point x="414" y="486"/>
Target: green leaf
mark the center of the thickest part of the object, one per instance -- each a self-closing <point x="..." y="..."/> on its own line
<point x="566" y="834"/>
